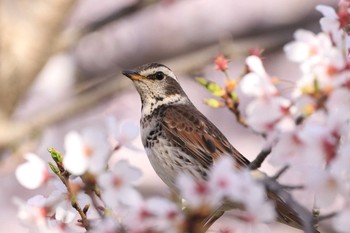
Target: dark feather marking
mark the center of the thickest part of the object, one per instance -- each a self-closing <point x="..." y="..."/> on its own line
<point x="209" y="144"/>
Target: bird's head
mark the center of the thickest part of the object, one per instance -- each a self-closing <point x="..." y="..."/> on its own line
<point x="157" y="85"/>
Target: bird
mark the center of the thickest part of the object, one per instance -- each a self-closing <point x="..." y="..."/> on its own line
<point x="177" y="137"/>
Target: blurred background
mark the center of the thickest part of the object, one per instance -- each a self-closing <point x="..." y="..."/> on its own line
<point x="61" y="62"/>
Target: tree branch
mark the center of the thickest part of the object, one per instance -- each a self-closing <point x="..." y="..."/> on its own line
<point x="28" y="35"/>
<point x="260" y="158"/>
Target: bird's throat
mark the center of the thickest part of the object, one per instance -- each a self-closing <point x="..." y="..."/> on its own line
<point x="151" y="104"/>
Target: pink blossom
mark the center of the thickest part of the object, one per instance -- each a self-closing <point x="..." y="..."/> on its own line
<point x="264" y="114"/>
<point x="106" y="225"/>
<point x="324" y="183"/>
<point x="221" y="63"/>
<point x="88" y="151"/>
<point x="227" y="183"/>
<point x="257" y="82"/>
<point x="341" y="221"/>
<point x="121" y="134"/>
<point x="33" y="173"/>
<point x="33" y="212"/>
<point x="196" y="193"/>
<point x="314" y="143"/>
<point x="155" y="214"/>
<point x="59" y="202"/>
<point x="118" y="185"/>
<point x="338" y="107"/>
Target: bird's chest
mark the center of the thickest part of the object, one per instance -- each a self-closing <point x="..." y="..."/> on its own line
<point x="166" y="157"/>
<point x="160" y="151"/>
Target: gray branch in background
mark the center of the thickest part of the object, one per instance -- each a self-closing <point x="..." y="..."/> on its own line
<point x="13" y="132"/>
<point x="28" y="33"/>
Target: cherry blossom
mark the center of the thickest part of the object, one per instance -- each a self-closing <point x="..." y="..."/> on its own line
<point x="121" y="134"/>
<point x="33" y="173"/>
<point x="32" y="213"/>
<point x="222" y="178"/>
<point x="106" y="225"/>
<point x="37" y="215"/>
<point x="265" y="114"/>
<point x="64" y="212"/>
<point x="156" y="215"/>
<point x="325" y="185"/>
<point x="60" y="201"/>
<point x="313" y="144"/>
<point x="322" y="63"/>
<point x="118" y="185"/>
<point x="338" y="107"/>
<point x="228" y="184"/>
<point x="88" y="151"/>
<point x="341" y="221"/>
<point x="257" y="82"/>
<point x="268" y="111"/>
<point x="196" y="193"/>
<point x="221" y="63"/>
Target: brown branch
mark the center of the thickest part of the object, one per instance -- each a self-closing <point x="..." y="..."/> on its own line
<point x="98" y="208"/>
<point x="64" y="177"/>
<point x="233" y="107"/>
<point x="280" y="172"/>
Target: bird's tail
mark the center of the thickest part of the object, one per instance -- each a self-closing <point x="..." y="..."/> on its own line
<point x="287" y="213"/>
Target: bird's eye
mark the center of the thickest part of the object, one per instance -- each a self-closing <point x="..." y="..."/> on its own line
<point x="159" y="76"/>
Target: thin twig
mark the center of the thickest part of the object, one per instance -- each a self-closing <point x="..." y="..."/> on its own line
<point x="293" y="187"/>
<point x="280" y="172"/>
<point x="233" y="107"/>
<point x="73" y="201"/>
<point x="92" y="196"/>
<point x="260" y="158"/>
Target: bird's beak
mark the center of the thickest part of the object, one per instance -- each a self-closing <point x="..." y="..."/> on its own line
<point x="133" y="75"/>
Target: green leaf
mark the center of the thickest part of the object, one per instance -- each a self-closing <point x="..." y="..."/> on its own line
<point x="215" y="89"/>
<point x="214" y="103"/>
<point x="56" y="156"/>
<point x="204" y="82"/>
<point x="54" y="168"/>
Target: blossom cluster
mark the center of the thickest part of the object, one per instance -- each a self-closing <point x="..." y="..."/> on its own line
<point x="308" y="131"/>
<point x="102" y="199"/>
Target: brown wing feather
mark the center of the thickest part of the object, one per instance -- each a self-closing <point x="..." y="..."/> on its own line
<point x="191" y="129"/>
<point x="200" y="138"/>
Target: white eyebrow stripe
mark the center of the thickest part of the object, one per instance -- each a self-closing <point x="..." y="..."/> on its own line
<point x="163" y="69"/>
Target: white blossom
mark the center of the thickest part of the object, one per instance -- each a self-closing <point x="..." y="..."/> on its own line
<point x="257" y="82"/>
<point x="88" y="151"/>
<point x="121" y="134"/>
<point x="118" y="185"/>
<point x="33" y="173"/>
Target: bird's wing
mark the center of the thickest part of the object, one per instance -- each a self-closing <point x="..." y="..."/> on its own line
<point x="198" y="136"/>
